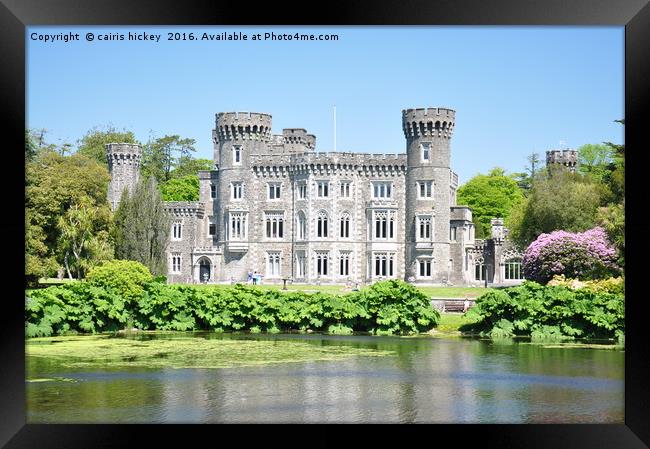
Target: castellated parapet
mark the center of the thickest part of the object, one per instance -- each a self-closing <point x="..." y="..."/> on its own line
<point x="124" y="167"/>
<point x="566" y="158"/>
<point x="242" y="126"/>
<point x="432" y="122"/>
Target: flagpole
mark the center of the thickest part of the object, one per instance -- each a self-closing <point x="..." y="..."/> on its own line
<point x="334" y="127"/>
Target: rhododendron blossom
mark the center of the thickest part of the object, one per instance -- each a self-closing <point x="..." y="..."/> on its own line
<point x="582" y="255"/>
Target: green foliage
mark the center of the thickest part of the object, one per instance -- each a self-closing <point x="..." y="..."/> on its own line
<point x="126" y="278"/>
<point x="181" y="189"/>
<point x="594" y="160"/>
<point x="159" y="156"/>
<point x="560" y="201"/>
<point x="548" y="312"/>
<point x="122" y="293"/>
<point x="187" y="166"/>
<point x="142" y="227"/>
<point x="490" y="196"/>
<point x="56" y="189"/>
<point x="93" y="144"/>
<point x="609" y="285"/>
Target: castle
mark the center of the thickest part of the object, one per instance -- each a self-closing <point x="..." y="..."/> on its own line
<point x="273" y="205"/>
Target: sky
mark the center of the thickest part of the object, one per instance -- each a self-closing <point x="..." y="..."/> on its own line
<point x="515" y="90"/>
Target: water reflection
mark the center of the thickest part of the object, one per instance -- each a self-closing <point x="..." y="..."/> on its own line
<point x="426" y="380"/>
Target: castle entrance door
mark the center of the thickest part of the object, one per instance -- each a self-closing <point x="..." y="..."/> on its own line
<point x="204" y="270"/>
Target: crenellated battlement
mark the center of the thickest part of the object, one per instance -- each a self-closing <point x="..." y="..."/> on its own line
<point x="242" y="126"/>
<point x="123" y="154"/>
<point x="433" y="122"/>
<point x="298" y="136"/>
<point x="568" y="158"/>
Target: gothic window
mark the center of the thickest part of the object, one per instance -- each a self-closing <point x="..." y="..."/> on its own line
<point x="452" y="233"/>
<point x="237" y="228"/>
<point x="177" y="228"/>
<point x="382" y="189"/>
<point x="424" y="228"/>
<point x="237" y="190"/>
<point x="213" y="191"/>
<point x="426" y="151"/>
<point x="345" y="189"/>
<point x="236" y="155"/>
<point x="384" y="264"/>
<point x="176" y="262"/>
<point x="302" y="191"/>
<point x="479" y="269"/>
<point x="321" y="224"/>
<point x="273" y="264"/>
<point x="301" y="265"/>
<point x="302" y="226"/>
<point x="345" y="225"/>
<point x="322" y="261"/>
<point x="344" y="263"/>
<point x="322" y="188"/>
<point x="274" y="191"/>
<point x="425" y="189"/>
<point x="424" y="268"/>
<point x="384" y="224"/>
<point x="513" y="269"/>
<point x="274" y="225"/>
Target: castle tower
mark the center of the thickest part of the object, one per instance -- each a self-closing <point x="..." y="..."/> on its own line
<point x="236" y="136"/>
<point x="566" y="158"/>
<point x="428" y="193"/>
<point x="124" y="168"/>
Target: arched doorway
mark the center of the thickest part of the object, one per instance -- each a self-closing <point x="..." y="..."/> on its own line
<point x="204" y="270"/>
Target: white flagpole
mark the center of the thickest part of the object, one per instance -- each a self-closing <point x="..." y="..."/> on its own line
<point x="334" y="127"/>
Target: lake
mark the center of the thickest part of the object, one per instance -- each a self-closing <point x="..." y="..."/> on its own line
<point x="321" y="378"/>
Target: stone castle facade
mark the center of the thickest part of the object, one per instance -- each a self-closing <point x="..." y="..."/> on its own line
<point x="275" y="206"/>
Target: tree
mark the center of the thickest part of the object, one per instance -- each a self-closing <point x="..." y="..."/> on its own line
<point x="558" y="201"/>
<point x="82" y="243"/>
<point x="55" y="185"/>
<point x="142" y="227"/>
<point x="159" y="158"/>
<point x="93" y="144"/>
<point x="181" y="189"/>
<point x="189" y="166"/>
<point x="490" y="196"/>
<point x="594" y="160"/>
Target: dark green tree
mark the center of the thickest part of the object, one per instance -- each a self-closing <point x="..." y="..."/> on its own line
<point x="187" y="165"/>
<point x="181" y="189"/>
<point x="558" y="201"/>
<point x="142" y="227"/>
<point x="161" y="156"/>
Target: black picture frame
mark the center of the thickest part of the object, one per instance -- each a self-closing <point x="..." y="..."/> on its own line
<point x="15" y="15"/>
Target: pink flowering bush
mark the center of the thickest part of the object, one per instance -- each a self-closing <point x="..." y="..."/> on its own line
<point x="583" y="255"/>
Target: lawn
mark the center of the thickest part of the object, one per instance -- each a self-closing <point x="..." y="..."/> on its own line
<point x="450" y="322"/>
<point x="437" y="292"/>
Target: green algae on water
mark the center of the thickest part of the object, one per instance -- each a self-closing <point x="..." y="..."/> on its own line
<point x="184" y="352"/>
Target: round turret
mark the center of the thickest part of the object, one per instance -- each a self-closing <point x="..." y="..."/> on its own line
<point x="428" y="122"/>
<point x="124" y="168"/>
<point x="242" y="126"/>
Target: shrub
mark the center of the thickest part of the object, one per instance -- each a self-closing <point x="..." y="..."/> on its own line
<point x="548" y="312"/>
<point x="123" y="277"/>
<point x="585" y="255"/>
<point x="609" y="285"/>
<point x="117" y="296"/>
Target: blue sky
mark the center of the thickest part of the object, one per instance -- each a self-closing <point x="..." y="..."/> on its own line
<point x="515" y="89"/>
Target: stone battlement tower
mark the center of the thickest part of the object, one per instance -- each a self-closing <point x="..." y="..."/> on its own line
<point x="566" y="158"/>
<point x="124" y="168"/>
<point x="428" y="133"/>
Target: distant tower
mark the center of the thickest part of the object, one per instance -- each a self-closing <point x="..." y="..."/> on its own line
<point x="428" y="132"/>
<point x="124" y="168"/>
<point x="566" y="158"/>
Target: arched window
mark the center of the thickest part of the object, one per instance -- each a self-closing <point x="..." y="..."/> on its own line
<point x="321" y="227"/>
<point x="302" y="226"/>
<point x="479" y="269"/>
<point x="513" y="269"/>
<point x="345" y="225"/>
